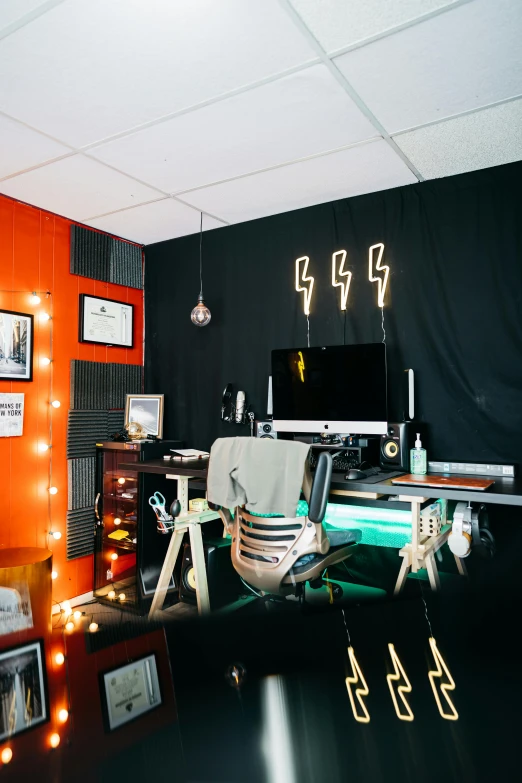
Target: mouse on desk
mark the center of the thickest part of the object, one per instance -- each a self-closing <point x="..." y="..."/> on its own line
<point x="354" y="474"/>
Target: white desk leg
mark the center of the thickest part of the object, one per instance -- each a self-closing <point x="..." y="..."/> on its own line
<point x="200" y="571"/>
<point x="166" y="571"/>
<point x="415" y="532"/>
<point x="403" y="574"/>
<point x="461" y="566"/>
<point x="433" y="574"/>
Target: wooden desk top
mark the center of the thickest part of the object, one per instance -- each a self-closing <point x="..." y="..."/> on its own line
<point x="186" y="467"/>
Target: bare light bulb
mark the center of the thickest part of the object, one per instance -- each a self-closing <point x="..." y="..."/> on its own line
<point x="69" y="626"/>
<point x="44" y="361"/>
<point x="63" y="715"/>
<point x="53" y="490"/>
<point x="117" y="521"/>
<point x="122" y="596"/>
<point x="200" y="315"/>
<point x="54" y="740"/>
<point x="77" y="614"/>
<point x="111" y="594"/>
<point x="54" y="574"/>
<point x="114" y="556"/>
<point x="93" y="627"/>
<point x="121" y="481"/>
<point x="43" y="447"/>
<point x="45" y="317"/>
<point x="56" y="403"/>
<point x="7" y="755"/>
<point x="55" y="534"/>
<point x="66" y="607"/>
<point x="35" y="299"/>
<point x="59" y="659"/>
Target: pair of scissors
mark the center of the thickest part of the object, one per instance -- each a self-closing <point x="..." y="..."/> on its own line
<point x="157" y="501"/>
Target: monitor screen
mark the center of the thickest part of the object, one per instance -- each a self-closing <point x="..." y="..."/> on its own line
<point x="340" y="389"/>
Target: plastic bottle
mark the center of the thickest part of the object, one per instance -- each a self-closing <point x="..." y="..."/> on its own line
<point x="418" y="459"/>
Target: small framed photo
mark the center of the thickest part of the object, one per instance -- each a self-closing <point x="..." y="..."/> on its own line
<point x="130" y="691"/>
<point x="16" y="346"/>
<point x="23" y="689"/>
<point x="106" y="321"/>
<point x="147" y="410"/>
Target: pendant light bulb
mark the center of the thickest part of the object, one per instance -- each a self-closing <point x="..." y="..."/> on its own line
<point x="200" y="315"/>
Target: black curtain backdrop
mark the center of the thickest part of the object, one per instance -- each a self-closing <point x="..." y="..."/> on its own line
<point x="453" y="310"/>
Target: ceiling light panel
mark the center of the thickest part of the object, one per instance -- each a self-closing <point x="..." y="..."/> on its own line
<point x="340" y="23"/>
<point x="490" y="137"/>
<point x="87" y="70"/>
<point x="156" y="222"/>
<point x="460" y="60"/>
<point x="76" y="187"/>
<point x="364" y="169"/>
<point x="294" y="117"/>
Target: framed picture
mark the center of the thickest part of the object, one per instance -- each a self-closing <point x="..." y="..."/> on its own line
<point x="130" y="691"/>
<point x="16" y="346"/>
<point x="24" y="702"/>
<point x="147" y="410"/>
<point x="106" y="321"/>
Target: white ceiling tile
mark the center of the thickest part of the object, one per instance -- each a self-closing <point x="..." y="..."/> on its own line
<point x="490" y="137"/>
<point x="155" y="222"/>
<point x="13" y="10"/>
<point x="87" y="70"/>
<point x="22" y="147"/>
<point x="457" y="61"/>
<point x="77" y="187"/>
<point x="370" y="167"/>
<point x="340" y="23"/>
<point x="270" y="125"/>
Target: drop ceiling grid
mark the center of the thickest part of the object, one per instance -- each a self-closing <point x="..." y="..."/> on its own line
<point x="299" y="62"/>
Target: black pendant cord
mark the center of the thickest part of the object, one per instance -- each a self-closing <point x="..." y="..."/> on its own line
<point x="201" y="256"/>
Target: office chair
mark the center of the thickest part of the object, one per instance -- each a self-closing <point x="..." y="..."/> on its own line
<point x="278" y="555"/>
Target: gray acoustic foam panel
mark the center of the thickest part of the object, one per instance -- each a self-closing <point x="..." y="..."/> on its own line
<point x="80" y="533"/>
<point x="102" y="257"/>
<point x="87" y="428"/>
<point x="99" y="386"/>
<point x="116" y="420"/>
<point x="81" y="474"/>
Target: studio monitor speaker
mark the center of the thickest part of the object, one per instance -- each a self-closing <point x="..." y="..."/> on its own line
<point x="265" y="429"/>
<point x="395" y="446"/>
<point x="224" y="584"/>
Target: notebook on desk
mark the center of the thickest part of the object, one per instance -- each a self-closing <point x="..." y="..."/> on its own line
<point x="449" y="482"/>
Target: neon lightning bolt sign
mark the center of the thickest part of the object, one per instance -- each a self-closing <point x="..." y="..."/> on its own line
<point x="338" y="270"/>
<point x="357" y="677"/>
<point x="444" y="686"/>
<point x="300" y="277"/>
<point x="401" y="689"/>
<point x="382" y="280"/>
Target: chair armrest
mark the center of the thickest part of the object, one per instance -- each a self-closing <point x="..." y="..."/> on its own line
<point x="224" y="515"/>
<point x="320" y="488"/>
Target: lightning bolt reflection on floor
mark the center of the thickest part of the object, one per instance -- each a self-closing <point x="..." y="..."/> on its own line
<point x="444" y="686"/>
<point x="357" y="677"/>
<point x="381" y="280"/>
<point x="301" y="365"/>
<point x="300" y="277"/>
<point x="338" y="270"/>
<point x="401" y="689"/>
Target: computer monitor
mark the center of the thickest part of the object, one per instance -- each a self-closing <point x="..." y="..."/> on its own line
<point x="336" y="389"/>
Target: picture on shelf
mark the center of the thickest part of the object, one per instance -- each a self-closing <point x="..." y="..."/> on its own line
<point x="16" y="346"/>
<point x="23" y="693"/>
<point x="146" y="410"/>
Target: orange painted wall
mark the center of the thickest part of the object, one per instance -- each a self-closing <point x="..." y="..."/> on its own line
<point x="34" y="256"/>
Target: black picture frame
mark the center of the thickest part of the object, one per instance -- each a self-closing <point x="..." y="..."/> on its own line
<point x="20" y="352"/>
<point x="83" y="328"/>
<point x="112" y="721"/>
<point x="11" y="660"/>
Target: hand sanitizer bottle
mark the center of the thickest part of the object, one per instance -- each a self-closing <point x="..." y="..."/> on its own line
<point x="418" y="458"/>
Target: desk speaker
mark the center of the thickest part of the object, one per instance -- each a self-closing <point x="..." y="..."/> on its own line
<point x="396" y="445"/>
<point x="265" y="429"/>
<point x="224" y="584"/>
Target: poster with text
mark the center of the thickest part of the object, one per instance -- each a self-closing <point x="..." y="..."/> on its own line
<point x="11" y="415"/>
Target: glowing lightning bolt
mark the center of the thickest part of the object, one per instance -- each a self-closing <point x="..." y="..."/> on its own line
<point x="341" y="272"/>
<point x="301" y="278"/>
<point x="401" y="689"/>
<point x="446" y="686"/>
<point x="383" y="281"/>
<point x="301" y="365"/>
<point x="357" y="677"/>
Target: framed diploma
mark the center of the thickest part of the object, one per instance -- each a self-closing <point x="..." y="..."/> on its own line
<point x="130" y="691"/>
<point x="106" y="321"/>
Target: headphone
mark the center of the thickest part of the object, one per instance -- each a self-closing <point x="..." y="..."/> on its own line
<point x="471" y="529"/>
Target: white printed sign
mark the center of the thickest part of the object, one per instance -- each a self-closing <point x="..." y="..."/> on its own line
<point x="11" y="415"/>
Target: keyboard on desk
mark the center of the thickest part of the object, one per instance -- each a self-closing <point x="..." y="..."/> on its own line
<point x="341" y="464"/>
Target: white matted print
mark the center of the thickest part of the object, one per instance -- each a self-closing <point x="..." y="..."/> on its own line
<point x="147" y="410"/>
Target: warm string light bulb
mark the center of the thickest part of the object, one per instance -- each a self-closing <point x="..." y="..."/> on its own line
<point x="69" y="626"/>
<point x="117" y="521"/>
<point x="44" y="361"/>
<point x="111" y="594"/>
<point x="77" y="614"/>
<point x="66" y="607"/>
<point x="44" y="317"/>
<point x="93" y="627"/>
<point x="53" y="490"/>
<point x="55" y="534"/>
<point x="54" y="740"/>
<point x="6" y="755"/>
<point x="121" y="481"/>
<point x="43" y="447"/>
<point x="122" y="596"/>
<point x="59" y="659"/>
<point x="114" y="556"/>
<point x="56" y="403"/>
<point x="54" y="574"/>
<point x="35" y="299"/>
<point x="63" y="715"/>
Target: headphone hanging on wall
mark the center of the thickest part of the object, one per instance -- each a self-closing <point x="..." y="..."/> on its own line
<point x="470" y="529"/>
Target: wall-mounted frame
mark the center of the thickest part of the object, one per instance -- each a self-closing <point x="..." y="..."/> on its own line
<point x="130" y="691"/>
<point x="16" y="346"/>
<point x="24" y="700"/>
<point x="147" y="410"/>
<point x="106" y="321"/>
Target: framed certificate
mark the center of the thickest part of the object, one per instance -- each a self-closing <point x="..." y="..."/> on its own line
<point x="130" y="691"/>
<point x="106" y="321"/>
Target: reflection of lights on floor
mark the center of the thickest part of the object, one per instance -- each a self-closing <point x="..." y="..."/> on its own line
<point x="277" y="744"/>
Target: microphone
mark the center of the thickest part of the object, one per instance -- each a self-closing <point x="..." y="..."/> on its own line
<point x="240" y="407"/>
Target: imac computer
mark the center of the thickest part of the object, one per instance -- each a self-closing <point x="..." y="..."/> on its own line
<point x="337" y="389"/>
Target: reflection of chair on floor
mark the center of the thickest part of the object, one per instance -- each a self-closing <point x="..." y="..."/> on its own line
<point x="278" y="555"/>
